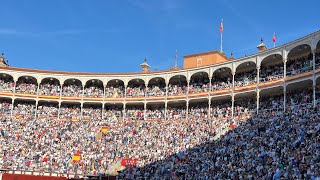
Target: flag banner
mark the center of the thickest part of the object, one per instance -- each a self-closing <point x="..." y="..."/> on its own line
<point x="76" y="157"/>
<point x="274" y="38"/>
<point x="221" y="26"/>
<point x="104" y="129"/>
<point x="128" y="161"/>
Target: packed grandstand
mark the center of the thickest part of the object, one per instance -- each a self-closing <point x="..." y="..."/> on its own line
<point x="251" y="117"/>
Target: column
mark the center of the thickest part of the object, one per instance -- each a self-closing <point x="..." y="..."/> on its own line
<point x="258" y="100"/>
<point x="36" y="109"/>
<point x="125" y="91"/>
<point x="81" y="115"/>
<point x="284" y="97"/>
<point x="60" y="91"/>
<point x="12" y="108"/>
<point x="165" y="110"/>
<point x="314" y="60"/>
<point x="102" y="112"/>
<point x="258" y="76"/>
<point x="38" y="87"/>
<point x="187" y="109"/>
<point x="82" y="91"/>
<point x="59" y="108"/>
<point x="233" y="74"/>
<point x="314" y="93"/>
<point x="209" y="105"/>
<point x="210" y="84"/>
<point x="124" y="110"/>
<point x="232" y="105"/>
<point x="145" y="111"/>
<point x="284" y="68"/>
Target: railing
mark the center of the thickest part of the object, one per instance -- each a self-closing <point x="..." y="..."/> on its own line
<point x="271" y="78"/>
<point x="317" y="65"/>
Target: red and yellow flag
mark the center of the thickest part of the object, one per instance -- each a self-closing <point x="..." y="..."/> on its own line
<point x="104" y="129"/>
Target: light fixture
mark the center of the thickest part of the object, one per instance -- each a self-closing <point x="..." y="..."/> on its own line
<point x="117" y="80"/>
<point x="51" y="79"/>
<point x="4" y="75"/>
<point x="137" y="80"/>
<point x="248" y="63"/>
<point x="92" y="81"/>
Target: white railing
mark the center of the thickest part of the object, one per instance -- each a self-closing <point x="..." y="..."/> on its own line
<point x="271" y="78"/>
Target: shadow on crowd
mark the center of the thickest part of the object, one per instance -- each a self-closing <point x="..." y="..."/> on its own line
<point x="268" y="146"/>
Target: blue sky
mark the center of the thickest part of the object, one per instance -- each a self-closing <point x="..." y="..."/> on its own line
<point x="115" y="36"/>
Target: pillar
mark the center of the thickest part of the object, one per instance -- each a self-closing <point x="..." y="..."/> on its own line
<point x="187" y="109"/>
<point x="82" y="91"/>
<point x="233" y="74"/>
<point x="36" y="108"/>
<point x="284" y="97"/>
<point x="284" y="68"/>
<point x="314" y="60"/>
<point x="210" y="84"/>
<point x="258" y="100"/>
<point x="38" y="88"/>
<point x="102" y="111"/>
<point x="258" y="76"/>
<point x="145" y="111"/>
<point x="232" y="105"/>
<point x="81" y="108"/>
<point x="60" y="91"/>
<point x="209" y="105"/>
<point x="12" y="108"/>
<point x="124" y="110"/>
<point x="314" y="93"/>
<point x="59" y="109"/>
<point x="165" y="110"/>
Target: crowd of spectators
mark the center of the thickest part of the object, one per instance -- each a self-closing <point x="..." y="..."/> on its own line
<point x="271" y="73"/>
<point x="221" y="83"/>
<point x="93" y="91"/>
<point x="270" y="145"/>
<point x="52" y="89"/>
<point x="72" y="90"/>
<point x="245" y="78"/>
<point x="26" y="87"/>
<point x="136" y="91"/>
<point x="177" y="90"/>
<point x="6" y="85"/>
<point x="114" y="92"/>
<point x="47" y="111"/>
<point x="155" y="91"/>
<point x="299" y="65"/>
<point x="70" y="112"/>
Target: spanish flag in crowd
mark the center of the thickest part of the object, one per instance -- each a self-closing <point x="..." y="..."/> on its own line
<point x="104" y="129"/>
<point x="76" y="157"/>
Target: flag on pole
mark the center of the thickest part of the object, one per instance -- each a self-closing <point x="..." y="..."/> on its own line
<point x="176" y="60"/>
<point x="274" y="39"/>
<point x="221" y="26"/>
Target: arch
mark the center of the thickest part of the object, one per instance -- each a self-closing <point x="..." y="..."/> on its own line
<point x="29" y="79"/>
<point x="200" y="74"/>
<point x="157" y="81"/>
<point x="94" y="82"/>
<point x="272" y="58"/>
<point x="6" y="76"/>
<point x="72" y="81"/>
<point x="136" y="82"/>
<point x="27" y="85"/>
<point x="178" y="78"/>
<point x="72" y="88"/>
<point x="6" y="82"/>
<point x="222" y="78"/>
<point x="248" y="65"/>
<point x="50" y="79"/>
<point x="114" y="82"/>
<point x="302" y="49"/>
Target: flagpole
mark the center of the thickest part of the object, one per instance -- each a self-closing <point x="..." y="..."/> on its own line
<point x="220" y="41"/>
<point x="274" y="44"/>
